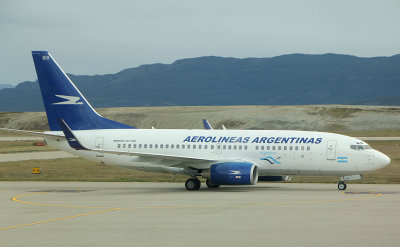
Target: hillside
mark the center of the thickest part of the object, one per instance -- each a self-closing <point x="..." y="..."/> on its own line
<point x="332" y="118"/>
<point x="284" y="80"/>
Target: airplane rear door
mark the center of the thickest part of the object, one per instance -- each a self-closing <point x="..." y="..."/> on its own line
<point x="99" y="145"/>
<point x="331" y="150"/>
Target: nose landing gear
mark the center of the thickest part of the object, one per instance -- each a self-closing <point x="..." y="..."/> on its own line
<point x="342" y="185"/>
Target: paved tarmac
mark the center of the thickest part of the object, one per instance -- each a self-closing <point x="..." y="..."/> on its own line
<point x="165" y="214"/>
<point x="35" y="156"/>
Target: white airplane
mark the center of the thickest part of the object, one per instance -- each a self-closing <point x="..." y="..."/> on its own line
<point x="223" y="157"/>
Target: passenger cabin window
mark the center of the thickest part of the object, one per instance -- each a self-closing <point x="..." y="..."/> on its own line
<point x="119" y="145"/>
<point x="308" y="148"/>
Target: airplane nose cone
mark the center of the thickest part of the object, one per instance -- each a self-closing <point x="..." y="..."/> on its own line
<point x="382" y="160"/>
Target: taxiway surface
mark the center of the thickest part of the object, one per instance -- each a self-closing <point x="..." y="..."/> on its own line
<point x="165" y="214"/>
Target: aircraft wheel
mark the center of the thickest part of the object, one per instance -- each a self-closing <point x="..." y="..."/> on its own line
<point x="342" y="186"/>
<point x="211" y="185"/>
<point x="192" y="184"/>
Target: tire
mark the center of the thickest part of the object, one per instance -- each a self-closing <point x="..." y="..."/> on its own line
<point x="342" y="186"/>
<point x="192" y="184"/>
<point x="211" y="185"/>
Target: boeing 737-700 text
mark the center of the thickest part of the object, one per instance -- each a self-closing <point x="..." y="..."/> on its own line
<point x="223" y="157"/>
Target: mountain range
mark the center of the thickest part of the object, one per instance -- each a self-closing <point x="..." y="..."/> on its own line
<point x="295" y="79"/>
<point x="6" y="86"/>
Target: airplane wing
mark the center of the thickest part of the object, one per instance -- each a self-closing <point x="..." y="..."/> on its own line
<point x="32" y="133"/>
<point x="207" y="125"/>
<point x="76" y="144"/>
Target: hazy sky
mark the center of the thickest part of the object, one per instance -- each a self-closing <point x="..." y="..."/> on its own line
<point x="100" y="37"/>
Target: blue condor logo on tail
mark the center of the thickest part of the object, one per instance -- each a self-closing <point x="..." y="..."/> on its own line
<point x="240" y="139"/>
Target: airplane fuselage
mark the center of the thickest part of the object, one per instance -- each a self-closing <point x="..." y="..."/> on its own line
<point x="275" y="152"/>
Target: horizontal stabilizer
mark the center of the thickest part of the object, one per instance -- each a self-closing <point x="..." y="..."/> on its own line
<point x="33" y="133"/>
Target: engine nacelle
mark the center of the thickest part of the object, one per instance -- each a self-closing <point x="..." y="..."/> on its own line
<point x="232" y="173"/>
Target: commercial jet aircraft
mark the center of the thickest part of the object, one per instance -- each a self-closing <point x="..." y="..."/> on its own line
<point x="223" y="157"/>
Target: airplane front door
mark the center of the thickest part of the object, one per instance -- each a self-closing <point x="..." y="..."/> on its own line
<point x="331" y="150"/>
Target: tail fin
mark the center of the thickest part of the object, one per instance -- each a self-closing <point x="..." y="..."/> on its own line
<point x="62" y="100"/>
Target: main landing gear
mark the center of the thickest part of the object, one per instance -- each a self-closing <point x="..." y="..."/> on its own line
<point x="195" y="184"/>
<point x="192" y="184"/>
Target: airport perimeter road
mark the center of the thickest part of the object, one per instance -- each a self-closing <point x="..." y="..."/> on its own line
<point x="35" y="156"/>
<point x="165" y="214"/>
<point x="21" y="138"/>
<point x="394" y="138"/>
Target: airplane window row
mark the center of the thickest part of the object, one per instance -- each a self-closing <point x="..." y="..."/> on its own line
<point x="285" y="148"/>
<point x="183" y="146"/>
<point x="224" y="147"/>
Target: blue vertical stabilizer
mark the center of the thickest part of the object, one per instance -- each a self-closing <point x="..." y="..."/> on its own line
<point x="62" y="100"/>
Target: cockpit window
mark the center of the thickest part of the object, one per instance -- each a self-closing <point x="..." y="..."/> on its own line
<point x="360" y="147"/>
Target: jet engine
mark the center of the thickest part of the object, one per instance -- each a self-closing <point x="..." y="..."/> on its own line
<point x="232" y="173"/>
